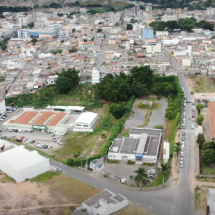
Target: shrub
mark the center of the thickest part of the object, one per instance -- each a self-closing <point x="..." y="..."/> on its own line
<point x="129" y="162"/>
<point x="159" y="127"/>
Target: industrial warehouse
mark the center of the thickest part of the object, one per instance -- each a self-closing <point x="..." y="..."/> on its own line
<point x="143" y="144"/>
<point x="54" y="119"/>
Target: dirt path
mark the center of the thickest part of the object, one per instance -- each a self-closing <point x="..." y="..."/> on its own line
<point x="39" y="207"/>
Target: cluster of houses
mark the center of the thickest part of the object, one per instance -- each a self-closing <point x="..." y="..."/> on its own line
<point x="98" y="44"/>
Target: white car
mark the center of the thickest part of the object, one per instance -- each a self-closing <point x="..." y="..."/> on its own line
<point x="181" y="162"/>
<point x="184" y="113"/>
<point x="181" y="165"/>
<point x="182" y="147"/>
<point x="192" y="126"/>
<point x="182" y="154"/>
<point x="193" y="119"/>
<point x="181" y="159"/>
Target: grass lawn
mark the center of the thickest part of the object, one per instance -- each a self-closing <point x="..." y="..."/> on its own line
<point x="73" y="190"/>
<point x="45" y="176"/>
<point x="146" y="106"/>
<point x="159" y="180"/>
<point x="206" y="169"/>
<point x="203" y="84"/>
<point x="168" y="129"/>
<point x="132" y="209"/>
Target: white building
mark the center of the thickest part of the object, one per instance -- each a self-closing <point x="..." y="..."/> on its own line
<point x="143" y="145"/>
<point x="95" y="76"/>
<point x="211" y="201"/>
<point x="103" y="203"/>
<point x="97" y="164"/>
<point x="165" y="151"/>
<point x="2" y="106"/>
<point x="30" y="52"/>
<point x="86" y="122"/>
<point x="20" y="163"/>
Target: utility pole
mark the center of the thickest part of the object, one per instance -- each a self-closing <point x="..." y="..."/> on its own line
<point x="81" y="162"/>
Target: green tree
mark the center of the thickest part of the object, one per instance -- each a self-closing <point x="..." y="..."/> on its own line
<point x="66" y="80"/>
<point x="187" y="24"/>
<point x="4" y="47"/>
<point x="177" y="150"/>
<point x="200" y="139"/>
<point x="139" y="89"/>
<point x="169" y="114"/>
<point x="171" y="25"/>
<point x="208" y="156"/>
<point x="73" y="30"/>
<point x="200" y="119"/>
<point x="73" y="49"/>
<point x="143" y="75"/>
<point x="141" y="176"/>
<point x="199" y="107"/>
<point x="165" y="169"/>
<point x="208" y="144"/>
<point x="133" y="21"/>
<point x="99" y="30"/>
<point x="118" y="110"/>
<point x="34" y="41"/>
<point x="129" y="27"/>
<point x="31" y="25"/>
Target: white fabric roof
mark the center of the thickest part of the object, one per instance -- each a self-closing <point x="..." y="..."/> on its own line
<point x="19" y="158"/>
<point x="80" y="108"/>
<point x="86" y="118"/>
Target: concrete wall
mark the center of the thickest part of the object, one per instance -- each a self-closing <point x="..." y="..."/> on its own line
<point x="2" y="107"/>
<point x="119" y="156"/>
<point x="33" y="171"/>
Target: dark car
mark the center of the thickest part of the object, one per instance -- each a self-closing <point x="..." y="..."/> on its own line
<point x="183" y="138"/>
<point x="183" y="133"/>
<point x="191" y="93"/>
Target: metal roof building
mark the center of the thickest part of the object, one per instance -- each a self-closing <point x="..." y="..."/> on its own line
<point x="20" y="163"/>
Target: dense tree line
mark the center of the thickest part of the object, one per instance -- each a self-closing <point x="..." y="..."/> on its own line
<point x="208" y="152"/>
<point x="183" y="24"/>
<point x="66" y="80"/>
<point x="14" y="9"/>
<point x="141" y="82"/>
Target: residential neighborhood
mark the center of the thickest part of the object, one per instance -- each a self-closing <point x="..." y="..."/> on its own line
<point x="116" y="98"/>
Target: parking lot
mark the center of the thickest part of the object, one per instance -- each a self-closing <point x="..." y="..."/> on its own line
<point x="123" y="170"/>
<point x="39" y="138"/>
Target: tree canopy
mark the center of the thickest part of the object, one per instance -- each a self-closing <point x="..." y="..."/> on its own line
<point x="208" y="156"/>
<point x="200" y="139"/>
<point x="200" y="119"/>
<point x="118" y="110"/>
<point x="183" y="24"/>
<point x="129" y="27"/>
<point x="208" y="144"/>
<point x="66" y="80"/>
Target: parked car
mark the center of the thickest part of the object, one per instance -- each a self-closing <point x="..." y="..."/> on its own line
<point x="181" y="165"/>
<point x="183" y="133"/>
<point x="182" y="154"/>
<point x="59" y="169"/>
<point x="192" y="126"/>
<point x="183" y="138"/>
<point x="182" y="147"/>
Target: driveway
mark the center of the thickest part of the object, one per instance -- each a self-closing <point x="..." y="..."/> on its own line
<point x="136" y="118"/>
<point x="158" y="116"/>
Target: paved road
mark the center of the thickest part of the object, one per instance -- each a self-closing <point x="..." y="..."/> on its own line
<point x="175" y="200"/>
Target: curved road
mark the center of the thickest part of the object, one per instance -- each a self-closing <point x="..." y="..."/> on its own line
<point x="176" y="200"/>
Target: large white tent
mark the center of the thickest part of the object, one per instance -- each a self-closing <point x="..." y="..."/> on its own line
<point x="20" y="163"/>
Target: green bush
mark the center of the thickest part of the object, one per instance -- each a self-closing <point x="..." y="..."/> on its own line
<point x="129" y="162"/>
<point x="113" y="161"/>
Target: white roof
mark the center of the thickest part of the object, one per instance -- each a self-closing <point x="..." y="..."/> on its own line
<point x="19" y="158"/>
<point x="80" y="108"/>
<point x="142" y="143"/>
<point x="86" y="118"/>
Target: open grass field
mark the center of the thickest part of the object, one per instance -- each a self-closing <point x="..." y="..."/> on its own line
<point x="207" y="169"/>
<point x="132" y="209"/>
<point x="202" y="84"/>
<point x="83" y="144"/>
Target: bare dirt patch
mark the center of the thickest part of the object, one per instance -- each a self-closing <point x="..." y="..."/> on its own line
<point x="202" y="84"/>
<point x="57" y="195"/>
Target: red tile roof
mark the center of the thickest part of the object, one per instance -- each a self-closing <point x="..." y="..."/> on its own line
<point x="26" y="117"/>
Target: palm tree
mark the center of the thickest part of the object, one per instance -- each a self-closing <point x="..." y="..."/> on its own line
<point x="141" y="176"/>
<point x="165" y="169"/>
<point x="177" y="150"/>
